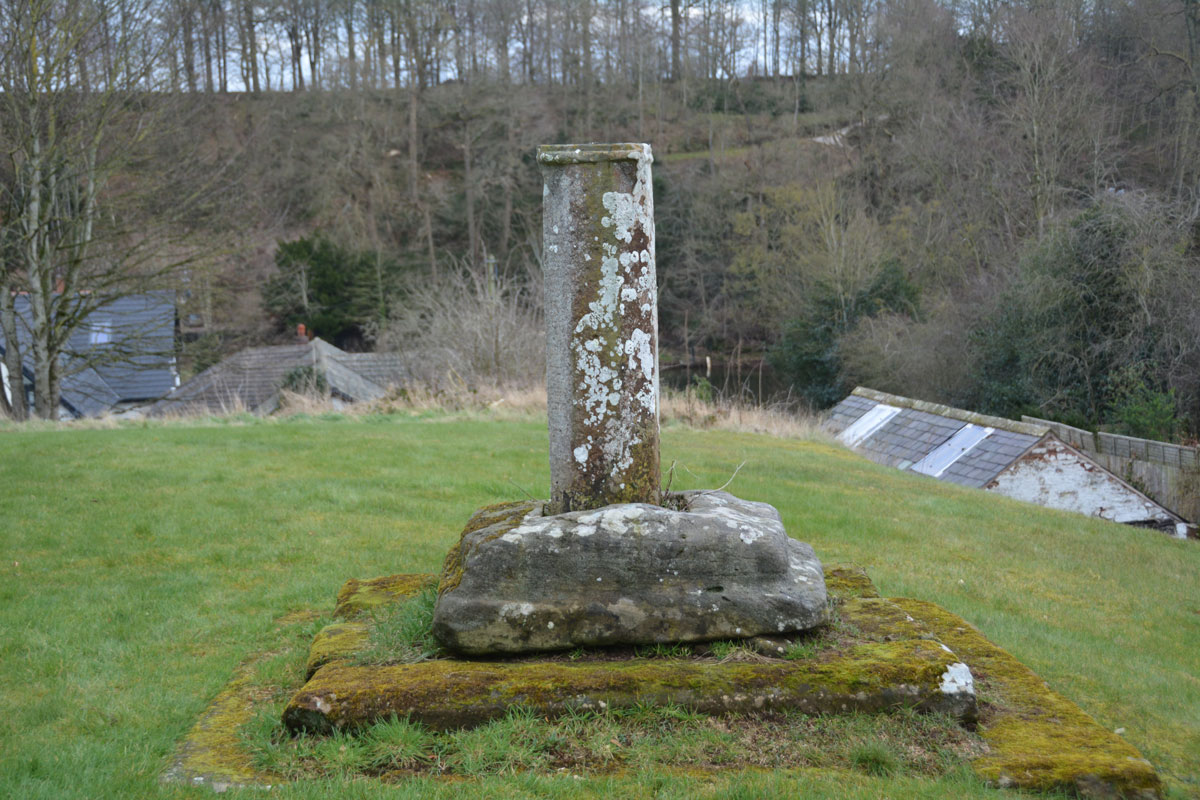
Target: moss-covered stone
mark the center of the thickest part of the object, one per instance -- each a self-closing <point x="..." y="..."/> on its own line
<point x="357" y="596"/>
<point x="212" y="753"/>
<point x="502" y="517"/>
<point x="843" y="581"/>
<point x="881" y="620"/>
<point x="870" y="677"/>
<point x="626" y="574"/>
<point x="1038" y="739"/>
<point x="336" y="642"/>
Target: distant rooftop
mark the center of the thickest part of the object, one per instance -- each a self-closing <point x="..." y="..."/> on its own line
<point x="941" y="441"/>
<point x="122" y="352"/>
<point x="250" y="380"/>
<point x="1022" y="460"/>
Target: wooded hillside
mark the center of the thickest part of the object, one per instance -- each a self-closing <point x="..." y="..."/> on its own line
<point x="993" y="206"/>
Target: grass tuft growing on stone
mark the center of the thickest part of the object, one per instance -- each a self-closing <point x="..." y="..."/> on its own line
<point x="401" y="633"/>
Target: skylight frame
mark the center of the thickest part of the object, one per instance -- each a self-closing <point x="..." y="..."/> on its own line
<point x="941" y="458"/>
<point x="867" y="425"/>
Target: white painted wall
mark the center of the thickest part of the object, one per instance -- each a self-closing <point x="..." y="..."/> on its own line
<point x="1056" y="475"/>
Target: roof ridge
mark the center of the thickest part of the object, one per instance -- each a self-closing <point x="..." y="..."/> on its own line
<point x="960" y="414"/>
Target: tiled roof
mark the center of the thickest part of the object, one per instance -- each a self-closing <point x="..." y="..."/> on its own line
<point x="907" y="438"/>
<point x="980" y="451"/>
<point x="250" y="379"/>
<point x="246" y="381"/>
<point x="143" y="333"/>
<point x="919" y="429"/>
<point x="123" y="351"/>
<point x="847" y="412"/>
<point x="383" y="369"/>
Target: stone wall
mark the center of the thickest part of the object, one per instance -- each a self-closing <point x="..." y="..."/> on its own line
<point x="1169" y="473"/>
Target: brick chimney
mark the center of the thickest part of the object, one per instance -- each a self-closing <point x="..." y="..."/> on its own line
<point x="302" y="334"/>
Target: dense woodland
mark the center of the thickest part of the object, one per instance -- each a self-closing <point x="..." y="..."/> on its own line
<point x="993" y="205"/>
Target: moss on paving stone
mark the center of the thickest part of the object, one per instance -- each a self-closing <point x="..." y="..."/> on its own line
<point x="881" y="620"/>
<point x="1038" y="739"/>
<point x="212" y="753"/>
<point x="871" y="677"/>
<point x="848" y="580"/>
<point x="336" y="642"/>
<point x="357" y="596"/>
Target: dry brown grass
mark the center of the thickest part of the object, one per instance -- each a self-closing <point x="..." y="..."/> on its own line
<point x="454" y="399"/>
<point x="686" y="410"/>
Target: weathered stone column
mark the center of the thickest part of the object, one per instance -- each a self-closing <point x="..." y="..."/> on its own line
<point x="601" y="325"/>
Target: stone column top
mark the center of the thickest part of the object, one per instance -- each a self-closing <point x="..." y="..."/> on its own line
<point x="592" y="153"/>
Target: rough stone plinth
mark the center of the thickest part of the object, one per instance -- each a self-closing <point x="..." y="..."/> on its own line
<point x="625" y="574"/>
<point x="601" y="325"/>
<point x="871" y="678"/>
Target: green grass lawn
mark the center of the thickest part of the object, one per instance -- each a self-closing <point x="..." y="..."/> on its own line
<point x="140" y="565"/>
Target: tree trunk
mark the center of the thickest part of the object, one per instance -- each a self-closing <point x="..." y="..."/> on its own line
<point x="776" y="14"/>
<point x="189" y="46"/>
<point x="16" y="408"/>
<point x="676" y="43"/>
<point x="469" y="191"/>
<point x="206" y="31"/>
<point x="251" y="45"/>
<point x="350" y="55"/>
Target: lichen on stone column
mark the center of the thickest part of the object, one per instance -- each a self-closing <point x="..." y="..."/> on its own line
<point x="601" y="325"/>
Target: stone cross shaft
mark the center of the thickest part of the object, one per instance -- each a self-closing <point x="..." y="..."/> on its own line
<point x="601" y="325"/>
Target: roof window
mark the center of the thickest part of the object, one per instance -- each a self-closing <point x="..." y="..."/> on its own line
<point x="100" y="331"/>
<point x="865" y="426"/>
<point x="944" y="455"/>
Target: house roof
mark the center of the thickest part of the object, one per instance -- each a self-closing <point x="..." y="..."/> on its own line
<point x="123" y="351"/>
<point x="975" y="450"/>
<point x="143" y="335"/>
<point x="251" y="379"/>
<point x="916" y="429"/>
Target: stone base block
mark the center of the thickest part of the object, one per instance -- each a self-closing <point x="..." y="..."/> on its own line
<point x="871" y="677"/>
<point x="718" y="568"/>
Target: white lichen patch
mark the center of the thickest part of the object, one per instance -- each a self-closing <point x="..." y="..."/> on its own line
<point x="623" y="214"/>
<point x="629" y="612"/>
<point x="750" y="528"/>
<point x="957" y="679"/>
<point x="511" y="610"/>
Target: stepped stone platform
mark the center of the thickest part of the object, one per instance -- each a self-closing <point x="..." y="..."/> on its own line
<point x="1037" y="739"/>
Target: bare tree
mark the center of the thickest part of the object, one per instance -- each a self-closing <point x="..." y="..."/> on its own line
<point x="68" y="241"/>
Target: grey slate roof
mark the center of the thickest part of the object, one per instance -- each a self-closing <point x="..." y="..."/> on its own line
<point x="908" y="437"/>
<point x="980" y="465"/>
<point x="981" y="452"/>
<point x="143" y="326"/>
<point x="382" y="369"/>
<point x="123" y="351"/>
<point x="250" y="379"/>
<point x="846" y="412"/>
<point x="919" y="428"/>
